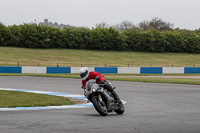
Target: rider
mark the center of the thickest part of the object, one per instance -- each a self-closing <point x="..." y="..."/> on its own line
<point x="85" y="76"/>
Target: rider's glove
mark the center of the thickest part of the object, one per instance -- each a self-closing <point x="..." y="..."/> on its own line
<point x="102" y="82"/>
<point x="82" y="87"/>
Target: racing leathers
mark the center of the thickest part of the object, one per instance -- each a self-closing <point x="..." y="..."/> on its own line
<point x="100" y="80"/>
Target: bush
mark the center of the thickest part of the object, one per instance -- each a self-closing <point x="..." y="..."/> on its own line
<point x="106" y="39"/>
<point x="191" y="41"/>
<point x="76" y="38"/>
<point x="5" y="35"/>
<point x="174" y="41"/>
<point x="100" y="38"/>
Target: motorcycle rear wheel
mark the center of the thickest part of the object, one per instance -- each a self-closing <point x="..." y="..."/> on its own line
<point x="121" y="109"/>
<point x="99" y="106"/>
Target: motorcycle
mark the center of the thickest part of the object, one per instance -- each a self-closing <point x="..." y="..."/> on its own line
<point x="102" y="100"/>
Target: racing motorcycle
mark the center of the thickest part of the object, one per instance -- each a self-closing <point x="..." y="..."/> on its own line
<point x="102" y="99"/>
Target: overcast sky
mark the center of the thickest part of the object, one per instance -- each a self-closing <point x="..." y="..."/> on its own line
<point x="184" y="14"/>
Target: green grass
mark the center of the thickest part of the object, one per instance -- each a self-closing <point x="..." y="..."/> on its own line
<point x="157" y="80"/>
<point x="127" y="77"/>
<point x="10" y="56"/>
<point x="24" y="99"/>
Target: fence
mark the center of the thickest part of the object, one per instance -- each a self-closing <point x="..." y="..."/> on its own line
<point x="44" y="64"/>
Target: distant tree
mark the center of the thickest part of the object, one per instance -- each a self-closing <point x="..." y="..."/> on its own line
<point x="197" y="30"/>
<point x="102" y="25"/>
<point x="124" y="25"/>
<point x="5" y="35"/>
<point x="16" y="36"/>
<point x="55" y="24"/>
<point x="156" y="23"/>
<point x="144" y="25"/>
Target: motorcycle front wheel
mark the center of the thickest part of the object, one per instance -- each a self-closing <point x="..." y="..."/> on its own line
<point x="99" y="106"/>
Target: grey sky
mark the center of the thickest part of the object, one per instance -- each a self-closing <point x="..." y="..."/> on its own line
<point x="182" y="13"/>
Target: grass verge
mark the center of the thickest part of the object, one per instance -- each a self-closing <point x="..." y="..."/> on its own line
<point x="158" y="80"/>
<point x="11" y="56"/>
<point x="128" y="77"/>
<point x="24" y="99"/>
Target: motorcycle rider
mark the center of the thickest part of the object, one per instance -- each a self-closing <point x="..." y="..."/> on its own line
<point x="86" y="75"/>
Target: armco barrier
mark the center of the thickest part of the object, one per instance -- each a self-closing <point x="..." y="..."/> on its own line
<point x="173" y="70"/>
<point x="30" y="69"/>
<point x="106" y="69"/>
<point x="192" y="70"/>
<point x="76" y="69"/>
<point x="151" y="70"/>
<point x="132" y="70"/>
<point x="10" y="69"/>
<point x="58" y="70"/>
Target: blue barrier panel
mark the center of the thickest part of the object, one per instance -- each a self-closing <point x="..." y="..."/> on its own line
<point x="58" y="69"/>
<point x="106" y="69"/>
<point x="151" y="70"/>
<point x="192" y="70"/>
<point x="10" y="69"/>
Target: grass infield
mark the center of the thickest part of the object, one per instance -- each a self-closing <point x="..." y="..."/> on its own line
<point x="158" y="78"/>
<point x="25" y="99"/>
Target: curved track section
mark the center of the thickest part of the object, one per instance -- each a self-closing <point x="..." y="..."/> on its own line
<point x="74" y="96"/>
<point x="150" y="108"/>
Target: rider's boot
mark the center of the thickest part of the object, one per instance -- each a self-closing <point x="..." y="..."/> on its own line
<point x="116" y="97"/>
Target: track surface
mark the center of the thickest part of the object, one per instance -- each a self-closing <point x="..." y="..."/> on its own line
<point x="150" y="108"/>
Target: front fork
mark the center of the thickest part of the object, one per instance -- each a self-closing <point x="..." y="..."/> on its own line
<point x="100" y="98"/>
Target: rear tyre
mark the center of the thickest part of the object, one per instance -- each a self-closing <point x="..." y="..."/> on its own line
<point x="121" y="109"/>
<point x="99" y="106"/>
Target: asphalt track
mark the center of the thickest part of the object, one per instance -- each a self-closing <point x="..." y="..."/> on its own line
<point x="150" y="108"/>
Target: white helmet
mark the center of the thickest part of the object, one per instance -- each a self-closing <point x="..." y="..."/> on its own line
<point x="84" y="73"/>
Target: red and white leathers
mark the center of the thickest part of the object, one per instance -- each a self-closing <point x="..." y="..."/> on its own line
<point x="93" y="75"/>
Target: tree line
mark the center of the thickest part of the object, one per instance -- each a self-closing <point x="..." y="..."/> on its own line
<point x="150" y="36"/>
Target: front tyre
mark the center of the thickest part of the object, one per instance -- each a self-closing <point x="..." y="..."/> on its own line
<point x="99" y="106"/>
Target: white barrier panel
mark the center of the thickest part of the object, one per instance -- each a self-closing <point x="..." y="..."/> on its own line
<point x="134" y="70"/>
<point x="30" y="69"/>
<point x="76" y="69"/>
<point x="173" y="70"/>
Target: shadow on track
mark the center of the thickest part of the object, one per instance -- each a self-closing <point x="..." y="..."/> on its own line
<point x="98" y="115"/>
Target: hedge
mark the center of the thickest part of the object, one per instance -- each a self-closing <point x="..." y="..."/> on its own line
<point x="109" y="38"/>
